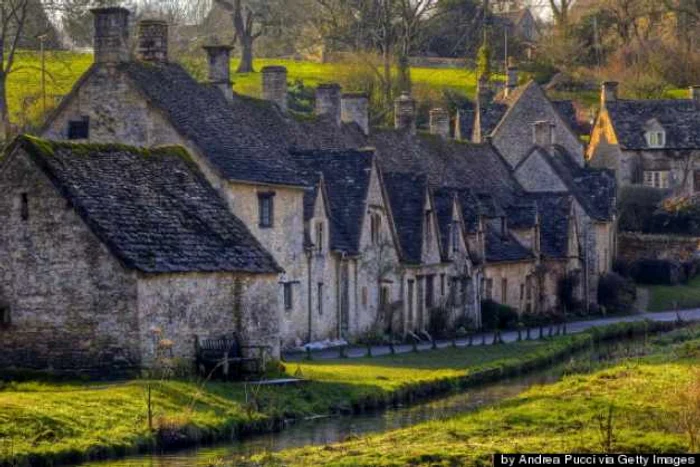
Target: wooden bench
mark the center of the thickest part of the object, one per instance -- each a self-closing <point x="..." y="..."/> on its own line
<point x="224" y="357"/>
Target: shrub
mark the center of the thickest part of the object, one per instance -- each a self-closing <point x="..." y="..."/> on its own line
<point x="657" y="272"/>
<point x="616" y="293"/>
<point x="637" y="206"/>
<point x="497" y="316"/>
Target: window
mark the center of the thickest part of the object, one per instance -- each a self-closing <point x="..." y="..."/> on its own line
<point x="429" y="291"/>
<point x="656" y="139"/>
<point x="364" y="297"/>
<point x="656" y="178"/>
<point x="411" y="286"/>
<point x="320" y="298"/>
<point x="522" y="292"/>
<point x="463" y="284"/>
<point x="375" y="228"/>
<point x="5" y="320"/>
<point x="442" y="285"/>
<point x="24" y="206"/>
<point x="319" y="237"/>
<point x="79" y="129"/>
<point x="453" y="291"/>
<point x="384" y="298"/>
<point x="504" y="290"/>
<point x="455" y="237"/>
<point x="288" y="297"/>
<point x="266" y="209"/>
<point x="428" y="227"/>
<point x="489" y="289"/>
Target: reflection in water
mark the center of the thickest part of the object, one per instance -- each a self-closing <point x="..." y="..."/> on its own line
<point x="334" y="429"/>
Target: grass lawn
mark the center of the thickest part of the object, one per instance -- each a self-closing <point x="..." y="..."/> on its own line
<point x="645" y="395"/>
<point x="667" y="297"/>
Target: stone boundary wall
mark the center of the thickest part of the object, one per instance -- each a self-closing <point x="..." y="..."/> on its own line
<point x="633" y="246"/>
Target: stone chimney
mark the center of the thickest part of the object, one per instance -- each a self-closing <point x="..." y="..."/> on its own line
<point x="511" y="77"/>
<point x="695" y="93"/>
<point x="543" y="133"/>
<point x="440" y="123"/>
<point x="153" y="41"/>
<point x="111" y="35"/>
<point x="274" y="85"/>
<point x="405" y="113"/>
<point x="328" y="101"/>
<point x="354" y="108"/>
<point x="219" y="57"/>
<point x="608" y="92"/>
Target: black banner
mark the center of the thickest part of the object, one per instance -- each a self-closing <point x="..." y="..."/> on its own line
<point x="588" y="460"/>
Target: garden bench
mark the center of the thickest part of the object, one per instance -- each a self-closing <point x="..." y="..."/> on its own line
<point x="224" y="357"/>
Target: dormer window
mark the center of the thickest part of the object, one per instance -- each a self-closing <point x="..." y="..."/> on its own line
<point x="656" y="139"/>
<point x="320" y="238"/>
<point x="79" y="129"/>
<point x="266" y="211"/>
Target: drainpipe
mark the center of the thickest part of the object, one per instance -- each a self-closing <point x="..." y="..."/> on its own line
<point x="309" y="256"/>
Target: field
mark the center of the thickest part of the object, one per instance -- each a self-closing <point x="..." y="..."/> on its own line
<point x="646" y="405"/>
<point x="45" y="421"/>
<point x="683" y="296"/>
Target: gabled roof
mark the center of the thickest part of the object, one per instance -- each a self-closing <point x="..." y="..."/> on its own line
<point x="594" y="189"/>
<point x="554" y="210"/>
<point x="443" y="201"/>
<point x="407" y="197"/>
<point x="152" y="208"/>
<point x="567" y="111"/>
<point x="346" y="173"/>
<point x="504" y="248"/>
<point x="679" y="117"/>
<point x="522" y="215"/>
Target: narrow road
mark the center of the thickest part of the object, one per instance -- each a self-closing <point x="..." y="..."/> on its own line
<point x="487" y="338"/>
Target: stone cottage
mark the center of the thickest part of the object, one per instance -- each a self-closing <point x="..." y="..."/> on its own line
<point x="110" y="250"/>
<point x="654" y="143"/>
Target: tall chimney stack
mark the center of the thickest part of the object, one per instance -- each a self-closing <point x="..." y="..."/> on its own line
<point x="219" y="57"/>
<point x="543" y="133"/>
<point x="328" y="97"/>
<point x="111" y="35"/>
<point x="405" y="113"/>
<point x="274" y="85"/>
<point x="354" y="108"/>
<point x="153" y="41"/>
<point x="608" y="92"/>
<point x="440" y="123"/>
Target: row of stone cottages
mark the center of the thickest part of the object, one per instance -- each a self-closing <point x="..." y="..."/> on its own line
<point x="246" y="218"/>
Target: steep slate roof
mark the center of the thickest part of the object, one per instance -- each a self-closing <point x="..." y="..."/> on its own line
<point x="347" y="174"/>
<point x="407" y="198"/>
<point x="594" y="189"/>
<point x="522" y="215"/>
<point x="446" y="163"/>
<point x="567" y="111"/>
<point x="680" y="119"/>
<point x="247" y="139"/>
<point x="503" y="248"/>
<point x="554" y="210"/>
<point x="152" y="208"/>
<point x="443" y="202"/>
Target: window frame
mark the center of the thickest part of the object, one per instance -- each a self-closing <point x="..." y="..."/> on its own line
<point x="656" y="179"/>
<point x="320" y="237"/>
<point x="288" y="293"/>
<point x="83" y="124"/>
<point x="5" y="316"/>
<point x="656" y="139"/>
<point x="24" y="207"/>
<point x="266" y="199"/>
<point x="319" y="293"/>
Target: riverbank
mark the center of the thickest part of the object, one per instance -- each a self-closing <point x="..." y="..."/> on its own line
<point x="51" y="423"/>
<point x="647" y="404"/>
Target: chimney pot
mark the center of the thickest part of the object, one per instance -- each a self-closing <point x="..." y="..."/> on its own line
<point x="609" y="92"/>
<point x="153" y="41"/>
<point x="405" y="113"/>
<point x="274" y="85"/>
<point x="543" y="133"/>
<point x="111" y="39"/>
<point x="328" y="97"/>
<point x="219" y="57"/>
<point x="695" y="93"/>
<point x="354" y="108"/>
<point x="440" y="123"/>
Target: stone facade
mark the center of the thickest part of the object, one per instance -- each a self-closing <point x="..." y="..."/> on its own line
<point x="636" y="246"/>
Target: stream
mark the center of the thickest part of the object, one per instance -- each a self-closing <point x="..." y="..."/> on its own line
<point x="326" y="430"/>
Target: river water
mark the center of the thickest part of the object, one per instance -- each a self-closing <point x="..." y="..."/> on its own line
<point x="327" y="430"/>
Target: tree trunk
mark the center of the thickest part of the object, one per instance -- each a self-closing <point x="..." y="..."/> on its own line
<point x="246" y="64"/>
<point x="5" y="128"/>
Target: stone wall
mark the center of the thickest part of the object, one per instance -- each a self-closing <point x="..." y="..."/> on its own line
<point x="182" y="306"/>
<point x="635" y="246"/>
<point x="71" y="302"/>
<point x="516" y="274"/>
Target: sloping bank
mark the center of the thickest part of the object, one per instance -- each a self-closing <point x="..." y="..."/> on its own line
<point x="54" y="423"/>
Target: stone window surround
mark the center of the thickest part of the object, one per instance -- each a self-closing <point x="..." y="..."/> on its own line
<point x="656" y="178"/>
<point x="266" y="209"/>
<point x="656" y="138"/>
<point x="79" y="129"/>
<point x="288" y="295"/>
